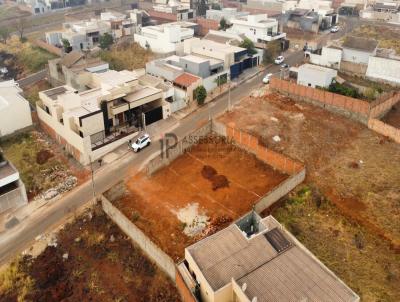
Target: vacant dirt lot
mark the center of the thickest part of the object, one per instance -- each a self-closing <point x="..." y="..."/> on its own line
<point x="41" y="164"/>
<point x="180" y="203"/>
<point x="388" y="36"/>
<point x="93" y="261"/>
<point x="353" y="167"/>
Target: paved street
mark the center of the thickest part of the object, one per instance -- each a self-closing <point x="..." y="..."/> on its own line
<point x="53" y="213"/>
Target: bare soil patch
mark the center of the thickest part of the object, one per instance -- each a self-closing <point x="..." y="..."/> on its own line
<point x="352" y="166"/>
<point x="93" y="261"/>
<point x="160" y="205"/>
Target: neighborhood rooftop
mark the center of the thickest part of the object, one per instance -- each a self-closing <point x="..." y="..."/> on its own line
<point x="271" y="265"/>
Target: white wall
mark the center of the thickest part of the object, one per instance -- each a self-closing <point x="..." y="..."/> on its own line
<point x="330" y="57"/>
<point x="311" y="77"/>
<point x="14" y="115"/>
<point x="356" y="56"/>
<point x="384" y="69"/>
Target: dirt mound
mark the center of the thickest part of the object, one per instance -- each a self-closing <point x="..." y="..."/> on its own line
<point x="43" y="156"/>
<point x="219" y="181"/>
<point x="354" y="165"/>
<point x="216" y="224"/>
<point x="208" y="172"/>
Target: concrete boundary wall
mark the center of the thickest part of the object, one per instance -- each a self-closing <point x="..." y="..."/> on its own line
<point x="138" y="237"/>
<point x="343" y="105"/>
<point x="50" y="48"/>
<point x="356" y="109"/>
<point x="384" y="129"/>
<point x="162" y="160"/>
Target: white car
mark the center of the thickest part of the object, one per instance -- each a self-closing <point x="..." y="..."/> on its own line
<point x="279" y="60"/>
<point x="142" y="142"/>
<point x="267" y="78"/>
<point x="334" y="29"/>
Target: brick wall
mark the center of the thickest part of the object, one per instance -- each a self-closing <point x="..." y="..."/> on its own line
<point x="50" y="48"/>
<point x="274" y="159"/>
<point x="60" y="140"/>
<point x="384" y="129"/>
<point x="348" y="106"/>
<point x="205" y="25"/>
<point x="162" y="15"/>
<point x="380" y="107"/>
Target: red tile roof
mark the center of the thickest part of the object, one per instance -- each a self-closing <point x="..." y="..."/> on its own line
<point x="186" y="79"/>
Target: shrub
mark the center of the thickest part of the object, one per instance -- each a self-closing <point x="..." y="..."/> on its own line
<point x="200" y="94"/>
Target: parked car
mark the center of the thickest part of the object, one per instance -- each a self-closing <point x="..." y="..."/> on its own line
<point x="141" y="143"/>
<point x="279" y="60"/>
<point x="335" y="29"/>
<point x="267" y="78"/>
<point x="284" y="66"/>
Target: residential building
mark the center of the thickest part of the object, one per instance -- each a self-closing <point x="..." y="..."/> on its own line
<point x="172" y="12"/>
<point x="257" y="28"/>
<point x="44" y="6"/>
<point x="121" y="25"/>
<point x="74" y="69"/>
<point x="224" y="37"/>
<point x="315" y="76"/>
<point x="257" y="259"/>
<point x="15" y="113"/>
<point x="235" y="59"/>
<point x="358" y="50"/>
<point x="330" y="56"/>
<point x="165" y="38"/>
<point x="12" y="189"/>
<point x="227" y="13"/>
<point x="383" y="11"/>
<point x="92" y="123"/>
<point x="309" y="15"/>
<point x="81" y="35"/>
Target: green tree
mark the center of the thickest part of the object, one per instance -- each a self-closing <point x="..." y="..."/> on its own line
<point x="249" y="45"/>
<point x="5" y="33"/>
<point x="200" y="94"/>
<point x="106" y="41"/>
<point x="271" y="51"/>
<point x="216" y="6"/>
<point x="66" y="45"/>
<point x="223" y="24"/>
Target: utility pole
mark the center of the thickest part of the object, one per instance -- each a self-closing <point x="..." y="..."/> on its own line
<point x="229" y="96"/>
<point x="92" y="172"/>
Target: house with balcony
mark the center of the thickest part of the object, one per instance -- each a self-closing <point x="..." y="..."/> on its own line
<point x="12" y="189"/>
<point x="15" y="112"/>
<point x="81" y="35"/>
<point x="172" y="11"/>
<point x="256" y="259"/>
<point x="258" y="28"/>
<point x="235" y="59"/>
<point x="91" y="123"/>
<point x="164" y="38"/>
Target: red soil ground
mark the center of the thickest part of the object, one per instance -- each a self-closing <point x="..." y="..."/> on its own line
<point x="152" y="202"/>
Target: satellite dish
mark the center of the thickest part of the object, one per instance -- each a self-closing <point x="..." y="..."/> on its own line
<point x="244" y="287"/>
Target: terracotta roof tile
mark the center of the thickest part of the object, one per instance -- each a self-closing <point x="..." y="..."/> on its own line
<point x="186" y="79"/>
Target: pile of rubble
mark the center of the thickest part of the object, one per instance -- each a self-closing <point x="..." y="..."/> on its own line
<point x="66" y="185"/>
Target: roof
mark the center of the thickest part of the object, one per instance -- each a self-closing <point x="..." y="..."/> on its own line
<point x="317" y="68"/>
<point x="274" y="268"/>
<point x="186" y="79"/>
<point x="71" y="58"/>
<point x="358" y="43"/>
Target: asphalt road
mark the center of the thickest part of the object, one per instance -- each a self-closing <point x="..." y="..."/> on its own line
<point x="33" y="78"/>
<point x="53" y="213"/>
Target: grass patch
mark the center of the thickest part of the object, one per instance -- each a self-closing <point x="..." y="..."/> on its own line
<point x="126" y="56"/>
<point x="15" y="282"/>
<point x="362" y="260"/>
<point x="31" y="93"/>
<point x="29" y="57"/>
<point x="22" y="151"/>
